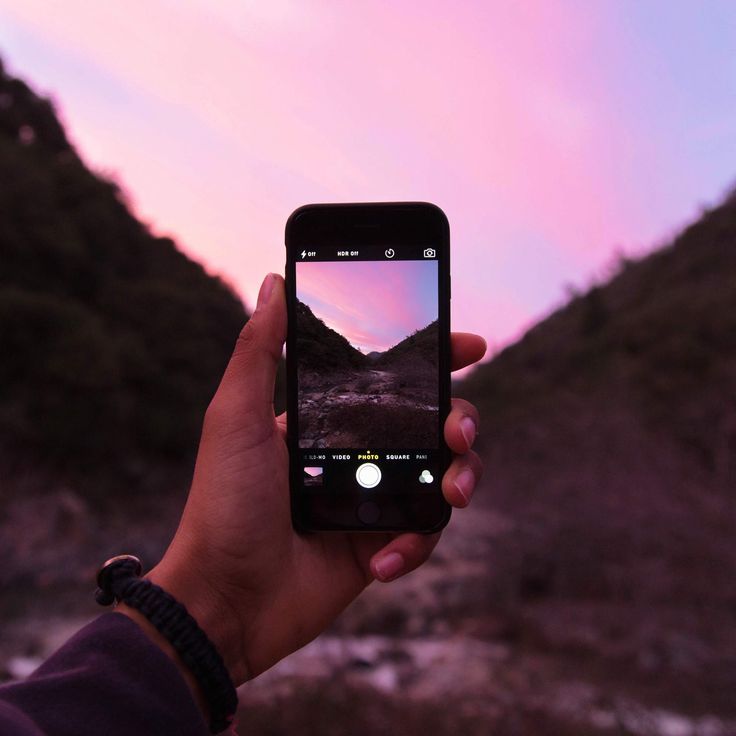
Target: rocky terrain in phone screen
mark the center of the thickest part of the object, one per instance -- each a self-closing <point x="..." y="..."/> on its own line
<point x="349" y="399"/>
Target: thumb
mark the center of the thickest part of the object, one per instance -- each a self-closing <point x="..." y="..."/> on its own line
<point x="246" y="390"/>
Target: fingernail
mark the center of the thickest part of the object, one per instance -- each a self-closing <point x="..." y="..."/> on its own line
<point x="465" y="482"/>
<point x="389" y="566"/>
<point x="265" y="291"/>
<point x="469" y="430"/>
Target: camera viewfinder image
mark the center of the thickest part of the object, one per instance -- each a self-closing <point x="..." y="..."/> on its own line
<point x="367" y="354"/>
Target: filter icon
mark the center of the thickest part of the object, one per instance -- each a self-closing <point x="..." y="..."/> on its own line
<point x="426" y="477"/>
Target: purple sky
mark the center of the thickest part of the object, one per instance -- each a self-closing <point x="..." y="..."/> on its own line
<point x="374" y="304"/>
<point x="553" y="133"/>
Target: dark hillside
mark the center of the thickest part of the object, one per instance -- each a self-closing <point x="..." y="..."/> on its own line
<point x="112" y="340"/>
<point x="319" y="345"/>
<point x="664" y="330"/>
<point x="609" y="431"/>
<point x="420" y="346"/>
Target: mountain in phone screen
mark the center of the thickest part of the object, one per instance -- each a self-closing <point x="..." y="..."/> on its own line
<point x="383" y="399"/>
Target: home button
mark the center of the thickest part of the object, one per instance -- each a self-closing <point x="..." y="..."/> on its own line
<point x="369" y="512"/>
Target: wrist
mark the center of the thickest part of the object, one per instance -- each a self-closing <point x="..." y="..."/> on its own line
<point x="163" y="643"/>
<point x="208" y="608"/>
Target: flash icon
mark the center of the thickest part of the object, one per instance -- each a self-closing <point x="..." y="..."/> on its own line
<point x="304" y="253"/>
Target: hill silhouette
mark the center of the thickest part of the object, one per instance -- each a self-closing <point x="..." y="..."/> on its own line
<point x="422" y="345"/>
<point x="321" y="346"/>
<point x="112" y="339"/>
<point x="609" y="431"/>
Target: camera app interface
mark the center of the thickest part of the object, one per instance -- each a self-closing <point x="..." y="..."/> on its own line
<point x="368" y="368"/>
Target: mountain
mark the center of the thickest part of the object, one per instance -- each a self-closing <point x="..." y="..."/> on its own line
<point x="421" y="345"/>
<point x="322" y="348"/>
<point x="113" y="340"/>
<point x="609" y="434"/>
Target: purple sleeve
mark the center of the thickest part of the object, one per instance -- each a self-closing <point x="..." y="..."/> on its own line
<point x="109" y="678"/>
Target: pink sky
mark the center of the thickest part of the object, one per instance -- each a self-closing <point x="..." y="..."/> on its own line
<point x="373" y="304"/>
<point x="552" y="134"/>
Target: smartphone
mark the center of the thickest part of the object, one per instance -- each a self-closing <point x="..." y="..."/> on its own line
<point x="368" y="366"/>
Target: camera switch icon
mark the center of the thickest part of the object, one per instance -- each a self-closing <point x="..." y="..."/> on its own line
<point x="430" y="253"/>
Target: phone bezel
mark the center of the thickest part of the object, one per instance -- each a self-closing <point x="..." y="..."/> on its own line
<point x="357" y="224"/>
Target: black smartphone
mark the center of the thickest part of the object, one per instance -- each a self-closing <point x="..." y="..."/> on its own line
<point x="368" y="366"/>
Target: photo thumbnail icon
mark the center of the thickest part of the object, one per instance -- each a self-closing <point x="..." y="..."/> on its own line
<point x="313" y="476"/>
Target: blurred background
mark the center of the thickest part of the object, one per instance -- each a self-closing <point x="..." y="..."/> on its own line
<point x="585" y="154"/>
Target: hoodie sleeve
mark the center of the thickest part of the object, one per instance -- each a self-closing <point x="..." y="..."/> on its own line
<point x="108" y="678"/>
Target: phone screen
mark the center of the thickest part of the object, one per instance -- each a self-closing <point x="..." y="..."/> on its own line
<point x="369" y="405"/>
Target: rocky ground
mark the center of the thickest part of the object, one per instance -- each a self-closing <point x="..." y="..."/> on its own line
<point x="434" y="652"/>
<point x="449" y="683"/>
<point x="352" y="408"/>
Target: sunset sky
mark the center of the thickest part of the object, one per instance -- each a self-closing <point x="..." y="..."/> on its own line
<point x="553" y="134"/>
<point x="374" y="304"/>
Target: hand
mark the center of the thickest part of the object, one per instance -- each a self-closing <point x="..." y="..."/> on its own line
<point x="257" y="588"/>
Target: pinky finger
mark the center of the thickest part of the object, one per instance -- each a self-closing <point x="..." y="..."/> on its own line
<point x="402" y="555"/>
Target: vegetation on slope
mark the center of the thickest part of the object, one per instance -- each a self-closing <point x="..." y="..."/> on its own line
<point x="609" y="433"/>
<point x="112" y="340"/>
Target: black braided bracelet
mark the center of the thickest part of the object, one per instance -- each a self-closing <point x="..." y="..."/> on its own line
<point x="119" y="580"/>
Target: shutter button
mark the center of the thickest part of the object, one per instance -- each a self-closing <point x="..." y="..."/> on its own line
<point x="368" y="475"/>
